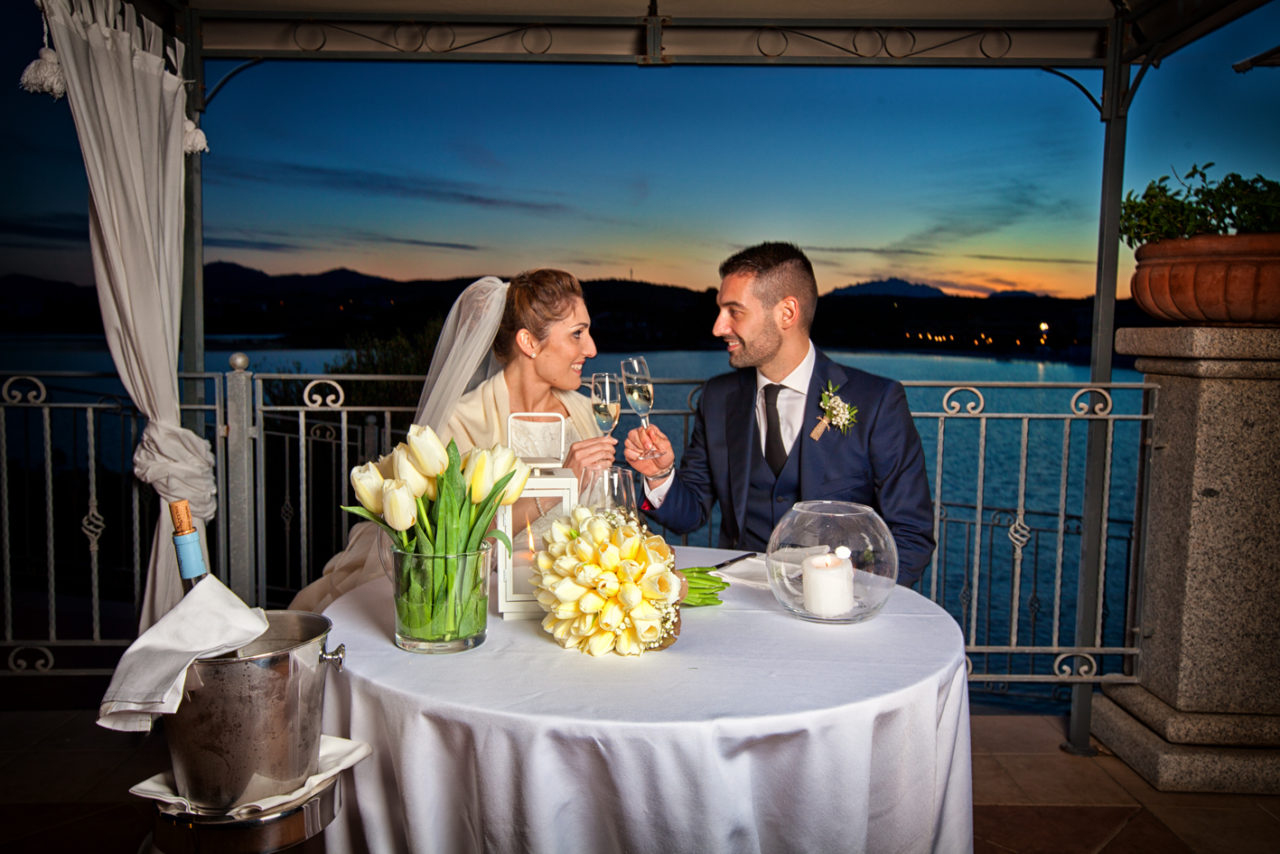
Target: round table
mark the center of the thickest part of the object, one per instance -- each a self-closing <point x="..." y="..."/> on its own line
<point x="755" y="732"/>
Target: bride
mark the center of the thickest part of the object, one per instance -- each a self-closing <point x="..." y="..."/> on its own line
<point x="505" y="347"/>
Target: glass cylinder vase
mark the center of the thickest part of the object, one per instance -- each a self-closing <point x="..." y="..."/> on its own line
<point x="442" y="600"/>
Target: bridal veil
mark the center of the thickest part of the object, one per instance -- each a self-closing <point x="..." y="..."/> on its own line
<point x="463" y="356"/>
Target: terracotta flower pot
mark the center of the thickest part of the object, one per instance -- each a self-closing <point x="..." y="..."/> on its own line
<point x="1211" y="279"/>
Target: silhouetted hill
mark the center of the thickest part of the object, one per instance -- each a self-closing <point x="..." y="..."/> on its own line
<point x="892" y="287"/>
<point x="329" y="309"/>
<point x="32" y="304"/>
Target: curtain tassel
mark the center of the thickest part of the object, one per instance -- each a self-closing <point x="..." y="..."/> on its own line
<point x="193" y="139"/>
<point x="44" y="74"/>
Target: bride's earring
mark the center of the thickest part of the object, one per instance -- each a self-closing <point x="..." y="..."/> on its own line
<point x="528" y="346"/>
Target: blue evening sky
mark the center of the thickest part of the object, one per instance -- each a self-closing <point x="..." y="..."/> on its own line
<point x="972" y="180"/>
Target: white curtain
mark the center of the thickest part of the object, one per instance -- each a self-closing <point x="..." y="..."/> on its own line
<point x="129" y="105"/>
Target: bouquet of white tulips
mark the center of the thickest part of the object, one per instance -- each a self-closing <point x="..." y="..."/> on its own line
<point x="437" y="507"/>
<point x="607" y="585"/>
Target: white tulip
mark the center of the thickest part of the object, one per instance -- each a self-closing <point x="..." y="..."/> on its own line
<point x="610" y="557"/>
<point x="591" y="602"/>
<point x="427" y="451"/>
<point x="580" y="515"/>
<point x="567" y="610"/>
<point x="628" y="643"/>
<point x="584" y="625"/>
<point x="629" y="569"/>
<point x="582" y="549"/>
<point x="560" y="532"/>
<point x="479" y="475"/>
<point x="564" y="631"/>
<point x="406" y="470"/>
<point x="399" y="508"/>
<point x="652" y="557"/>
<point x="516" y="485"/>
<point x="629" y="547"/>
<point x="648" y="631"/>
<point x="658" y="546"/>
<point x="598" y="530"/>
<point x="644" y="612"/>
<point x="601" y="643"/>
<point x="366" y="480"/>
<point x="503" y="460"/>
<point x="607" y="584"/>
<point x="568" y="590"/>
<point x="611" y="616"/>
<point x="663" y="586"/>
<point x="629" y="595"/>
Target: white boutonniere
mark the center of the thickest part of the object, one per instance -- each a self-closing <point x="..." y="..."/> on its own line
<point x="835" y="413"/>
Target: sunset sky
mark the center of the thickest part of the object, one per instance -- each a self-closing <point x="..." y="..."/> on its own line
<point x="975" y="181"/>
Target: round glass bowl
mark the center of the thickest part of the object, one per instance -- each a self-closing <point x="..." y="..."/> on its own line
<point x="832" y="562"/>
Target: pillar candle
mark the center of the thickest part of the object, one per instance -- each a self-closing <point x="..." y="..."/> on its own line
<point x="828" y="584"/>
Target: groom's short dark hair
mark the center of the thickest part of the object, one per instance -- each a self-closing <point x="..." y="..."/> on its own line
<point x="780" y="270"/>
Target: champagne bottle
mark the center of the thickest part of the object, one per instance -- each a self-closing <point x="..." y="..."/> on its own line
<point x="186" y="539"/>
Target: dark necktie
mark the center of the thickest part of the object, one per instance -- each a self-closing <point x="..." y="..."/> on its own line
<point x="775" y="453"/>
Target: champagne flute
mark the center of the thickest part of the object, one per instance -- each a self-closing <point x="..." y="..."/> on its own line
<point x="606" y="401"/>
<point x="638" y="387"/>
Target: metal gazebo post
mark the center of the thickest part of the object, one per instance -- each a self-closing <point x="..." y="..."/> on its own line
<point x="1114" y="111"/>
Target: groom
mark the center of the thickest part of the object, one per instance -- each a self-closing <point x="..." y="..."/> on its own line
<point x="758" y="444"/>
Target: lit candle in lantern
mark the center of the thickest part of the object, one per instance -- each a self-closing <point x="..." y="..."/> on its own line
<point x="828" y="583"/>
<point x="524" y="564"/>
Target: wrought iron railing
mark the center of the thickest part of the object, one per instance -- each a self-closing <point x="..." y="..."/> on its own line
<point x="1005" y="460"/>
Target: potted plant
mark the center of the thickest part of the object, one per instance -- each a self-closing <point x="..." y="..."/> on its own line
<point x="1208" y="251"/>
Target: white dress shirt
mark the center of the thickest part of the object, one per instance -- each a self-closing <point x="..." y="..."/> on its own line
<point x="791" y="399"/>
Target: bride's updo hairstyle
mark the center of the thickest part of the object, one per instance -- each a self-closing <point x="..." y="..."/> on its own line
<point x="535" y="300"/>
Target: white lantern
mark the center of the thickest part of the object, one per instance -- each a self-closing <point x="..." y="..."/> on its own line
<point x="549" y="494"/>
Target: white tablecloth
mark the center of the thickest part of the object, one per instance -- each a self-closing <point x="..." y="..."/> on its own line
<point x="755" y="732"/>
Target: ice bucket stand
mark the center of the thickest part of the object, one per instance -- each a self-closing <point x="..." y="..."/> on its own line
<point x="179" y="832"/>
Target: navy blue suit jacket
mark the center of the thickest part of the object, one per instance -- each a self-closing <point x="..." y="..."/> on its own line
<point x="879" y="463"/>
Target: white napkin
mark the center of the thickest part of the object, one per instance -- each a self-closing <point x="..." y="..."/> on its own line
<point x="208" y="621"/>
<point x="751" y="572"/>
<point x="336" y="755"/>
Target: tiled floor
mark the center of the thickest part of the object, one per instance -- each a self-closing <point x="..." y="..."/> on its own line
<point x="64" y="787"/>
<point x="1030" y="796"/>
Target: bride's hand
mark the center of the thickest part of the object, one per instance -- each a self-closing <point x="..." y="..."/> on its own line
<point x="594" y="453"/>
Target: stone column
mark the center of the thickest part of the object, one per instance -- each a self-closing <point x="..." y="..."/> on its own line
<point x="1205" y="715"/>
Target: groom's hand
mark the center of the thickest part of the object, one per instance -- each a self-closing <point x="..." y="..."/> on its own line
<point x="639" y="440"/>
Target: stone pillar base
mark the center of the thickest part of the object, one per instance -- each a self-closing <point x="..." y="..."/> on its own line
<point x="1175" y="767"/>
<point x="1205" y="716"/>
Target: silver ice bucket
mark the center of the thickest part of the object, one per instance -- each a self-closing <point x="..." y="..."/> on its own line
<point x="248" y="726"/>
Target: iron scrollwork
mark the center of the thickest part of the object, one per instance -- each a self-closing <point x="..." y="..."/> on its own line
<point x="42" y="664"/>
<point x="1087" y="665"/>
<point x="313" y="399"/>
<point x="13" y="395"/>
<point x="973" y="407"/>
<point x="1083" y="407"/>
